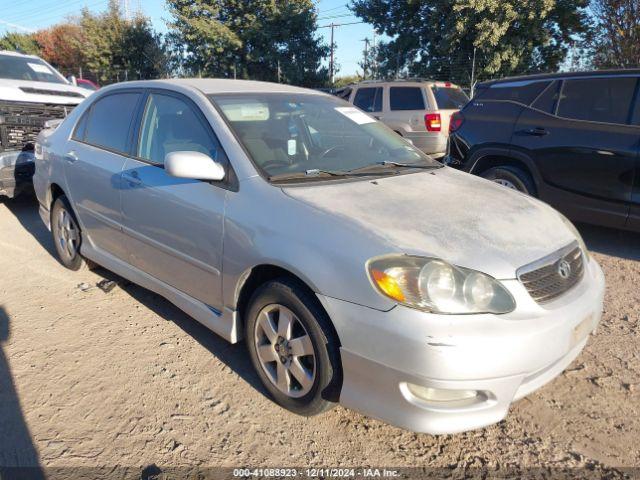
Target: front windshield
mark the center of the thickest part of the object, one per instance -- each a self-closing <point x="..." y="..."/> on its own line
<point x="294" y="133"/>
<point x="26" y="68"/>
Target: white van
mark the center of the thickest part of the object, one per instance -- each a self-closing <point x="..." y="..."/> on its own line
<point x="416" y="109"/>
<point x="31" y="93"/>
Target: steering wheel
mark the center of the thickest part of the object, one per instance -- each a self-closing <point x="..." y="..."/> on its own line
<point x="329" y="150"/>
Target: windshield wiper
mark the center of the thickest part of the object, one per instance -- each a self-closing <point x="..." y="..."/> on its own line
<point x="409" y="165"/>
<point x="312" y="173"/>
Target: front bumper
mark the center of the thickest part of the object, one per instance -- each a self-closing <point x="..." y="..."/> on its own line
<point x="16" y="172"/>
<point x="503" y="357"/>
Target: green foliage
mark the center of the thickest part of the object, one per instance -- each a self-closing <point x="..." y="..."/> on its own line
<point x="437" y="38"/>
<point x="117" y="49"/>
<point x="616" y="42"/>
<point x="20" y="42"/>
<point x="261" y="40"/>
<point x="340" y="82"/>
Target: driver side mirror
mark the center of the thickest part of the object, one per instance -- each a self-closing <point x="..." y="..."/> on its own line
<point x="193" y="165"/>
<point x="72" y="80"/>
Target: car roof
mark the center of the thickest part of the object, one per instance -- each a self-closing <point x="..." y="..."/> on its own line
<point x="561" y="75"/>
<point x="404" y="81"/>
<point x="222" y="85"/>
<point x="16" y="54"/>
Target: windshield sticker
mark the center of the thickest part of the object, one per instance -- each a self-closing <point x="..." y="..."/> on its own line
<point x="39" y="68"/>
<point x="355" y="115"/>
<point x="246" y="112"/>
<point x="291" y="147"/>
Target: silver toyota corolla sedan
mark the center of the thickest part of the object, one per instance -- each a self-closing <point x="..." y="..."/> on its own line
<point x="357" y="269"/>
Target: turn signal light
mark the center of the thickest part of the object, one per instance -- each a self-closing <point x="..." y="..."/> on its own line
<point x="388" y="285"/>
<point x="433" y="122"/>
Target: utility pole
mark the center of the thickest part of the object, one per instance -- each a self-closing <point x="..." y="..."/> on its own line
<point x="125" y="8"/>
<point x="473" y="73"/>
<point x="331" y="65"/>
<point x="374" y="65"/>
<point x="366" y="58"/>
<point x="278" y="70"/>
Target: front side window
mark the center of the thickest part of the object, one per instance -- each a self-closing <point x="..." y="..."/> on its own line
<point x="171" y="125"/>
<point x="406" y="98"/>
<point x="369" y="99"/>
<point x="288" y="134"/>
<point x="109" y="121"/>
<point x="597" y="99"/>
<point x="26" y="68"/>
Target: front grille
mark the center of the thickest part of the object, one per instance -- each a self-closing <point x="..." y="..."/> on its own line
<point x="56" y="93"/>
<point x="20" y="123"/>
<point x="552" y="276"/>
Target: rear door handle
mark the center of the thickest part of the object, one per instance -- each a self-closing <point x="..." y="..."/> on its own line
<point x="71" y="157"/>
<point x="538" y="132"/>
<point x="132" y="178"/>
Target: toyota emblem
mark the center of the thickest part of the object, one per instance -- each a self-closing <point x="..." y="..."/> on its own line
<point x="564" y="269"/>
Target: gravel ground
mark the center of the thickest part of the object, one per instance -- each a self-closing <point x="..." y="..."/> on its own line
<point x="89" y="378"/>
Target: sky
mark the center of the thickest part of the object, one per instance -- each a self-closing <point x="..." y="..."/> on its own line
<point x="36" y="14"/>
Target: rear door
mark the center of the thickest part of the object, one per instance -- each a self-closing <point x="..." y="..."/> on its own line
<point x="579" y="134"/>
<point x="95" y="157"/>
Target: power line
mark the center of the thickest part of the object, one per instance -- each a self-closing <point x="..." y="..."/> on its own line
<point x="340" y="24"/>
<point x="59" y="11"/>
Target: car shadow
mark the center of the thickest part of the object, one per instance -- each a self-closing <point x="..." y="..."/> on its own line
<point x="609" y="241"/>
<point x="18" y="455"/>
<point x="236" y="357"/>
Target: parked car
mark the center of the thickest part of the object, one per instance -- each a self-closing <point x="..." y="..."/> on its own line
<point x="87" y="84"/>
<point x="31" y="93"/>
<point x="419" y="110"/>
<point x="291" y="219"/>
<point x="570" y="139"/>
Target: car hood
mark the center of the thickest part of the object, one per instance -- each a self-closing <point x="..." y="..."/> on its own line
<point x="444" y="213"/>
<point x="41" y="92"/>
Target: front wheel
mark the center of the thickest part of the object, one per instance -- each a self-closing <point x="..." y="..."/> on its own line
<point x="293" y="347"/>
<point x="66" y="235"/>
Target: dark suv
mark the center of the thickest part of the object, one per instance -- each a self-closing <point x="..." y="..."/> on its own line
<point x="571" y="139"/>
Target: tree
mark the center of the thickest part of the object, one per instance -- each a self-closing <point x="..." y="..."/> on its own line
<point x="616" y="42"/>
<point x="263" y="39"/>
<point x="20" y="42"/>
<point x="437" y="38"/>
<point x="119" y="49"/>
<point x="62" y="46"/>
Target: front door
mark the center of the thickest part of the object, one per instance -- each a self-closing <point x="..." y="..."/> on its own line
<point x="174" y="226"/>
<point x="93" y="162"/>
<point x="579" y="135"/>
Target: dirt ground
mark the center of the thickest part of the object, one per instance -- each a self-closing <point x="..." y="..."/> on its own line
<point x="89" y="378"/>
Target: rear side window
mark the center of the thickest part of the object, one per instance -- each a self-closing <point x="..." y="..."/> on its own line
<point x="597" y="99"/>
<point x="523" y="92"/>
<point x="109" y="121"/>
<point x="81" y="126"/>
<point x="636" y="111"/>
<point x="548" y="99"/>
<point x="369" y="99"/>
<point x="449" y="98"/>
<point x="406" y="98"/>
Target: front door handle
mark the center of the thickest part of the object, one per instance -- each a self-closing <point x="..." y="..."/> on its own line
<point x="71" y="157"/>
<point x="537" y="131"/>
<point x="132" y="178"/>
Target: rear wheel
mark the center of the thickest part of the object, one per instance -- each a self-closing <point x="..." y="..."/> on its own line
<point x="67" y="237"/>
<point x="511" y="177"/>
<point x="292" y="347"/>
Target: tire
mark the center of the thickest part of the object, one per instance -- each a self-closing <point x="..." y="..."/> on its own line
<point x="273" y="348"/>
<point x="511" y="177"/>
<point x="67" y="236"/>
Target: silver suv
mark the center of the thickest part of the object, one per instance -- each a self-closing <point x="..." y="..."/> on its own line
<point x="293" y="220"/>
<point x="419" y="110"/>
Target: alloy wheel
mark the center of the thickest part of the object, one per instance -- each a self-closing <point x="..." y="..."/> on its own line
<point x="67" y="234"/>
<point x="506" y="183"/>
<point x="285" y="351"/>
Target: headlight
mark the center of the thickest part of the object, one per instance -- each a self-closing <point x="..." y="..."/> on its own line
<point x="435" y="286"/>
<point x="575" y="231"/>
